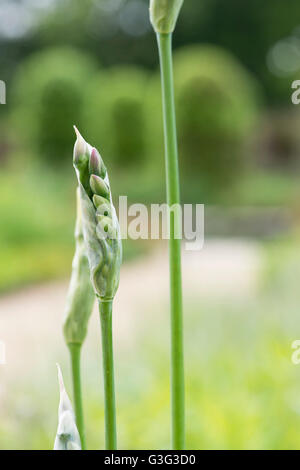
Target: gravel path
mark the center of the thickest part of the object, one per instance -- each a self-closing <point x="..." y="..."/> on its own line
<point x="30" y="319"/>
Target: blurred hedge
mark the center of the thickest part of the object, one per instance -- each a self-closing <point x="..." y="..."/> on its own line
<point x="48" y="98"/>
<point x="217" y="105"/>
<point x="115" y="116"/>
<point x="119" y="111"/>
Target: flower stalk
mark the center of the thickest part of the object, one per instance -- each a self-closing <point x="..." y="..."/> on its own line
<point x="104" y="251"/>
<point x="75" y="356"/>
<point x="163" y="14"/>
<point x="105" y="310"/>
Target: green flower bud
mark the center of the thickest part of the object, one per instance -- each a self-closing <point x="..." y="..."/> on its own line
<point x="80" y="147"/>
<point x="100" y="227"/>
<point x="81" y="295"/>
<point x="96" y="165"/>
<point x="67" y="435"/>
<point x="164" y="14"/>
<point x="99" y="200"/>
<point x="99" y="186"/>
<point x="81" y="157"/>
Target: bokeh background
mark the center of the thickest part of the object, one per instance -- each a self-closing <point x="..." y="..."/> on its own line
<point x="93" y="63"/>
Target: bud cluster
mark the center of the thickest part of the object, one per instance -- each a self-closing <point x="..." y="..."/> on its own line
<point x="100" y="224"/>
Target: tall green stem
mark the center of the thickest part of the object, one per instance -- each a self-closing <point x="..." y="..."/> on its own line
<point x="173" y="197"/>
<point x="105" y="308"/>
<point x="75" y="353"/>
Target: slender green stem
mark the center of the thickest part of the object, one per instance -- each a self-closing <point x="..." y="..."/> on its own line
<point x="108" y="374"/>
<point x="173" y="197"/>
<point x="75" y="353"/>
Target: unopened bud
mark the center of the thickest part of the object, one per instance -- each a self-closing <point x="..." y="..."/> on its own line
<point x="100" y="228"/>
<point x="99" y="200"/>
<point x="102" y="205"/>
<point x="164" y="14"/>
<point x="80" y="147"/>
<point x="67" y="436"/>
<point x="99" y="186"/>
<point x="96" y="165"/>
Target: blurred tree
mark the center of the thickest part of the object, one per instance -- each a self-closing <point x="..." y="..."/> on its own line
<point x="118" y="31"/>
<point x="115" y="117"/>
<point x="248" y="29"/>
<point x="217" y="105"/>
<point x="48" y="99"/>
<point x="48" y="92"/>
<point x="217" y="108"/>
<point x="277" y="146"/>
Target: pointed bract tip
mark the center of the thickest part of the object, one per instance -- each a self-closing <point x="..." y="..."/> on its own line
<point x="60" y="378"/>
<point x="67" y="436"/>
<point x="78" y="135"/>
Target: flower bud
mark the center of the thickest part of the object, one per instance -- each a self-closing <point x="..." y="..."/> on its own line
<point x="81" y="159"/>
<point x="164" y="14"/>
<point x="102" y="205"/>
<point x="99" y="201"/>
<point x="67" y="436"/>
<point x="100" y="228"/>
<point x="80" y="147"/>
<point x="96" y="165"/>
<point x="99" y="186"/>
